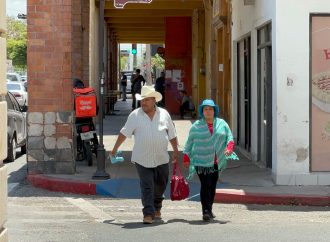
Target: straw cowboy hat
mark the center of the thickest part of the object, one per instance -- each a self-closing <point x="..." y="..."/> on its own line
<point x="148" y="91"/>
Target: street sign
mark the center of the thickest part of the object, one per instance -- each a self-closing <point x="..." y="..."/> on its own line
<point x="121" y="3"/>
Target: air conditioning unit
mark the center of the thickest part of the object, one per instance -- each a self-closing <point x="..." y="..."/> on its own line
<point x="249" y="2"/>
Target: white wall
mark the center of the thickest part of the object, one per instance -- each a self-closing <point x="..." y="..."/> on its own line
<point x="290" y="56"/>
<point x="292" y="113"/>
<point x="246" y="20"/>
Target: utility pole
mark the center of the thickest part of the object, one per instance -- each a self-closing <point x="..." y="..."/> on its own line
<point x="100" y="172"/>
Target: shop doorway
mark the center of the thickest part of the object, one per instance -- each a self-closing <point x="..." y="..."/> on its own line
<point x="265" y="96"/>
<point x="244" y="93"/>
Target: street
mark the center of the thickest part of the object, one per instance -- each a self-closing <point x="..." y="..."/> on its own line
<point x="39" y="215"/>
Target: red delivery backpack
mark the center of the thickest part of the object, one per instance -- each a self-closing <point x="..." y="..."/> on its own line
<point x="85" y="102"/>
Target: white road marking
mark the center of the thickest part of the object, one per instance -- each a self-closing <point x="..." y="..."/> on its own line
<point x="11" y="186"/>
<point x="89" y="208"/>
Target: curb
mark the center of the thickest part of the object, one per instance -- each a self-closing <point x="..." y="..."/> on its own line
<point x="221" y="196"/>
<point x="239" y="196"/>
<point x="60" y="185"/>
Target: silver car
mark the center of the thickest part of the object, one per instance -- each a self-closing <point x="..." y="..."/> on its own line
<point x="19" y="91"/>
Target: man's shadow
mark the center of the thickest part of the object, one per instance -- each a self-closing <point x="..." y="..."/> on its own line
<point x="138" y="225"/>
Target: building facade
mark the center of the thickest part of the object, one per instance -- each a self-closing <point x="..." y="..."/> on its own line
<point x="260" y="60"/>
<point x="281" y="65"/>
<point x="3" y="124"/>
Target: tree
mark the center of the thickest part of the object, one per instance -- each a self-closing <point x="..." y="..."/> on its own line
<point x="157" y="62"/>
<point x="123" y="62"/>
<point x="16" y="42"/>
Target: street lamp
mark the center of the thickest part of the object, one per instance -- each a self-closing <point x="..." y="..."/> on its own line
<point x="100" y="172"/>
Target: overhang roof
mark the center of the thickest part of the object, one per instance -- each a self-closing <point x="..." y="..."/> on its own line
<point x="145" y="23"/>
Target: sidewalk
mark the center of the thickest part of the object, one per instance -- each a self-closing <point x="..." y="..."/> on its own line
<point x="242" y="182"/>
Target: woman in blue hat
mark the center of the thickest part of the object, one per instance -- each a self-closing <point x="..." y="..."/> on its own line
<point x="208" y="147"/>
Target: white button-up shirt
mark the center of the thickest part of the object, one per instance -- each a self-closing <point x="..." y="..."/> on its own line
<point x="151" y="137"/>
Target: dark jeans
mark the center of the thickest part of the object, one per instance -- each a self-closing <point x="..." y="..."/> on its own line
<point x="208" y="187"/>
<point x="153" y="182"/>
<point x="124" y="92"/>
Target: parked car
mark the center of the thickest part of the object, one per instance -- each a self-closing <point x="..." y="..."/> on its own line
<point x="14" y="77"/>
<point x="16" y="127"/>
<point x="24" y="78"/>
<point x="19" y="91"/>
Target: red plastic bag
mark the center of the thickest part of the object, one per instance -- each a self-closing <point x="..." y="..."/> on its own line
<point x="179" y="186"/>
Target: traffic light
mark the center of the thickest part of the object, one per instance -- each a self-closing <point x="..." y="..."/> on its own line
<point x="134" y="49"/>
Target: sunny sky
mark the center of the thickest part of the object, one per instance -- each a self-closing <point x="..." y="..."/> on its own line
<point x="14" y="7"/>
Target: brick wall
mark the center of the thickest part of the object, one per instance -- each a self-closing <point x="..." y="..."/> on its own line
<point x="3" y="125"/>
<point x="55" y="56"/>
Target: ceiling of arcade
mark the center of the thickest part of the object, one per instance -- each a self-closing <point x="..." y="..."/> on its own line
<point x="145" y="23"/>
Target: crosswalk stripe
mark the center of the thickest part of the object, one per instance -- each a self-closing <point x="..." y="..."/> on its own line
<point x="89" y="208"/>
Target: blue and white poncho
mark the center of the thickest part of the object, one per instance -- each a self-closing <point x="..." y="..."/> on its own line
<point x="201" y="146"/>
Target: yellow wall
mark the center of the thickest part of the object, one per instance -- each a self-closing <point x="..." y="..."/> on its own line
<point x="208" y="50"/>
<point x="198" y="56"/>
<point x="3" y="124"/>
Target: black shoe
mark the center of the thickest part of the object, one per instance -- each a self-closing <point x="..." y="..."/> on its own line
<point x="206" y="217"/>
<point x="212" y="215"/>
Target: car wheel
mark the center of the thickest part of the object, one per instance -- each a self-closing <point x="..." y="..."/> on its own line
<point x="12" y="150"/>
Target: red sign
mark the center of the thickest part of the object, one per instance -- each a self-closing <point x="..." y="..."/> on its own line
<point x="121" y="3"/>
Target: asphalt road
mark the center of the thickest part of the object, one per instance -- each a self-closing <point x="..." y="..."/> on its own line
<point x="39" y="215"/>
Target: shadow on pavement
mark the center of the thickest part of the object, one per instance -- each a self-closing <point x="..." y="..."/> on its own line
<point x="138" y="225"/>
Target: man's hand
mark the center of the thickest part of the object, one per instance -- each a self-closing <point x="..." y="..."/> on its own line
<point x="113" y="152"/>
<point x="175" y="155"/>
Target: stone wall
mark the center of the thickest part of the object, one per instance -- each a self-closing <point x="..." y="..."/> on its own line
<point x="3" y="125"/>
<point x="55" y="56"/>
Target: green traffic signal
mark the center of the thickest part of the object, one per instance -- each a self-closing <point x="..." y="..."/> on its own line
<point x="134" y="51"/>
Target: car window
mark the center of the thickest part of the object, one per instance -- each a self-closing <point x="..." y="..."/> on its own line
<point x="14" y="102"/>
<point x="13" y="86"/>
<point x="9" y="103"/>
<point x="12" y="77"/>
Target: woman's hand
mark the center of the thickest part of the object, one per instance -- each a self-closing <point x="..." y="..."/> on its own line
<point x="186" y="161"/>
<point x="228" y="152"/>
<point x="229" y="149"/>
<point x="186" y="164"/>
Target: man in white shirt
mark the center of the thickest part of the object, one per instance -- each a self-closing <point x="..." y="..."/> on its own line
<point x="153" y="128"/>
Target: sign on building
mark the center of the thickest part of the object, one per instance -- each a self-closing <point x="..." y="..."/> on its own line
<point x="121" y="3"/>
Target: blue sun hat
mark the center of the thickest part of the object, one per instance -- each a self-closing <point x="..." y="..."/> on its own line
<point x="208" y="102"/>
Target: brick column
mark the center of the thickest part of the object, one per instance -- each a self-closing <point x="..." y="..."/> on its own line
<point x="3" y="125"/>
<point x="54" y="58"/>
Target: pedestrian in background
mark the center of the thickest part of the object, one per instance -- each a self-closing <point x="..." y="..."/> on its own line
<point x="137" y="82"/>
<point x="160" y="87"/>
<point x="152" y="128"/>
<point x="186" y="104"/>
<point x="208" y="146"/>
<point x="123" y="83"/>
